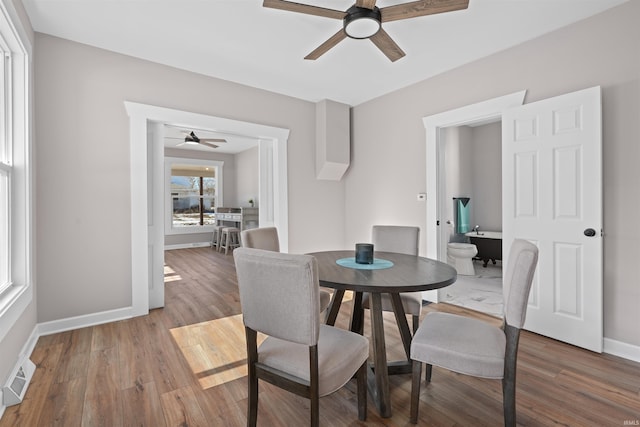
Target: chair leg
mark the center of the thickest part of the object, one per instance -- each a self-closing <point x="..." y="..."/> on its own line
<point x="252" y="409"/>
<point x="361" y="379"/>
<point x="416" y="323"/>
<point x="509" y="402"/>
<point x="427" y="373"/>
<point x="252" y="358"/>
<point x="314" y="393"/>
<point x="509" y="377"/>
<point x="415" y="391"/>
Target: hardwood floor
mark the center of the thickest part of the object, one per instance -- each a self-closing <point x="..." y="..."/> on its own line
<point x="184" y="365"/>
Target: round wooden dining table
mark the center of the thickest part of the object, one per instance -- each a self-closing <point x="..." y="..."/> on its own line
<point x="391" y="273"/>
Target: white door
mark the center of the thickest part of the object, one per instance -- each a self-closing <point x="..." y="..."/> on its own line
<point x="155" y="215"/>
<point x="552" y="196"/>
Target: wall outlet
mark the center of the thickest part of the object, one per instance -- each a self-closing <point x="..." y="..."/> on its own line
<point x="422" y="197"/>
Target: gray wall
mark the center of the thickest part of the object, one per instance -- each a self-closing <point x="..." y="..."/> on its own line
<point x="388" y="162"/>
<point x="83" y="212"/>
<point x="485" y="148"/>
<point x="247" y="178"/>
<point x="458" y="175"/>
<point x="473" y="166"/>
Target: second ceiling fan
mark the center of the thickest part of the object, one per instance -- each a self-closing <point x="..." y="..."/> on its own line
<point x="193" y="139"/>
<point x="364" y="20"/>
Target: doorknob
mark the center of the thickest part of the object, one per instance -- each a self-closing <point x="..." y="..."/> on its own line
<point x="589" y="232"/>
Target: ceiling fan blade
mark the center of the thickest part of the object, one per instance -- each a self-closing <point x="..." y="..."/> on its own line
<point x="304" y="8"/>
<point x="367" y="4"/>
<point x="212" y="140"/>
<point x="421" y="8"/>
<point x="386" y="44"/>
<point x="206" y="144"/>
<point x="324" y="47"/>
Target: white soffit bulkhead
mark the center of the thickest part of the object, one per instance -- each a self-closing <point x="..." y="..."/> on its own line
<point x="333" y="139"/>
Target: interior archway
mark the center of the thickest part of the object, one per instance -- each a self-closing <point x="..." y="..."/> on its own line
<point x="273" y="169"/>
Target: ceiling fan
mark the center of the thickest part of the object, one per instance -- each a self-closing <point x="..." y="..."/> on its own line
<point x="193" y="139"/>
<point x="364" y="20"/>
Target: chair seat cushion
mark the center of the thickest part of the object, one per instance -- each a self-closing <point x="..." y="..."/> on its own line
<point x="340" y="354"/>
<point x="460" y="344"/>
<point x="411" y="302"/>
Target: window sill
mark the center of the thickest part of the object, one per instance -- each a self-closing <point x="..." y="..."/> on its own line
<point x="13" y="302"/>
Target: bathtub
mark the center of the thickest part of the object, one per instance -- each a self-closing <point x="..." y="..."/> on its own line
<point x="489" y="244"/>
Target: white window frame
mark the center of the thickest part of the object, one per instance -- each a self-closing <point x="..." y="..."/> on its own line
<point x="15" y="157"/>
<point x="6" y="169"/>
<point x="169" y="229"/>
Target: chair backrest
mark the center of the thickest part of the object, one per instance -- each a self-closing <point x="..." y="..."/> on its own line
<point x="279" y="294"/>
<point x="396" y="238"/>
<point x="261" y="238"/>
<point x="521" y="266"/>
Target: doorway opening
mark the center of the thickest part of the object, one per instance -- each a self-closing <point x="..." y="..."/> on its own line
<point x="473" y="175"/>
<point x="147" y="189"/>
<point x="439" y="205"/>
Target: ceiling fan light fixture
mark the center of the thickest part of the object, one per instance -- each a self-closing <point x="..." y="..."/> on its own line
<point x="361" y="23"/>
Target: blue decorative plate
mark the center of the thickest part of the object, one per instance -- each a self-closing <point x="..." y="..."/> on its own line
<point x="378" y="264"/>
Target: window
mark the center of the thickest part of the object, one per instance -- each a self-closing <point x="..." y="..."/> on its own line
<point x="5" y="242"/>
<point x="16" y="291"/>
<point x="5" y="166"/>
<point x="195" y="189"/>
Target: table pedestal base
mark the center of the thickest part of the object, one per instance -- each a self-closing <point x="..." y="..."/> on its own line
<point x="378" y="379"/>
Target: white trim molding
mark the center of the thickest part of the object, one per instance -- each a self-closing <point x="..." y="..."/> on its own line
<point x="141" y="116"/>
<point x="187" y="246"/>
<point x="622" y="349"/>
<point x="77" y="322"/>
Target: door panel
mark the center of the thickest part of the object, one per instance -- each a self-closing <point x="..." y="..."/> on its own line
<point x="552" y="192"/>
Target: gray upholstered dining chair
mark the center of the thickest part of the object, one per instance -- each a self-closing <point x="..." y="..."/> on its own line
<point x="404" y="240"/>
<point x="474" y="347"/>
<point x="266" y="238"/>
<point x="261" y="238"/>
<point x="279" y="296"/>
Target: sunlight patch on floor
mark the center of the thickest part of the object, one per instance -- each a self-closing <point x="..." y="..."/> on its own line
<point x="208" y="349"/>
<point x="170" y="275"/>
<point x="216" y="349"/>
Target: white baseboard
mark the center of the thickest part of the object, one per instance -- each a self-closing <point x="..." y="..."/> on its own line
<point x="77" y="322"/>
<point x="622" y="349"/>
<point x="187" y="245"/>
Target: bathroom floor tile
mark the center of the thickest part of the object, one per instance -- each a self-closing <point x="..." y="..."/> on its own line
<point x="482" y="292"/>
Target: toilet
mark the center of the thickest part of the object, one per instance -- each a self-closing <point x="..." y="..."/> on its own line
<point x="460" y="256"/>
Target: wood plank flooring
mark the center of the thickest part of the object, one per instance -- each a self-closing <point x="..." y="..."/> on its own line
<point x="184" y="365"/>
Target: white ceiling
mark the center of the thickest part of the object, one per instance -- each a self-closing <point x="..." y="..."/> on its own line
<point x="240" y="41"/>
